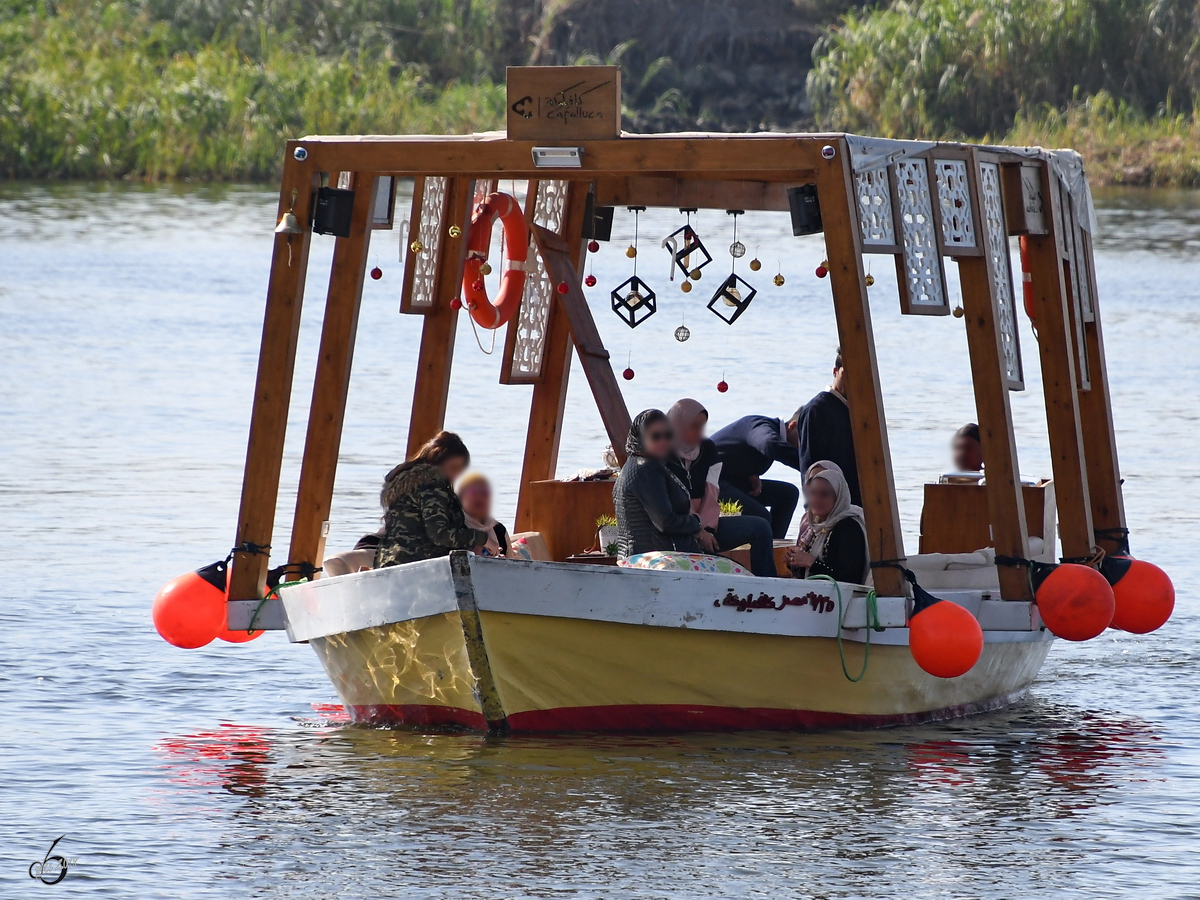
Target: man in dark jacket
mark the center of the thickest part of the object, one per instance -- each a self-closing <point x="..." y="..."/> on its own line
<point x="748" y="447"/>
<point x="823" y="431"/>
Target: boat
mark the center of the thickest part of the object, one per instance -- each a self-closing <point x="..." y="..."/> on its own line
<point x="565" y="643"/>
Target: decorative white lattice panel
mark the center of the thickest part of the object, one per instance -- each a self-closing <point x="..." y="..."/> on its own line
<point x="997" y="247"/>
<point x="1080" y="273"/>
<point x="923" y="276"/>
<point x="875" y="208"/>
<point x="530" y="344"/>
<point x="954" y="198"/>
<point x="429" y="233"/>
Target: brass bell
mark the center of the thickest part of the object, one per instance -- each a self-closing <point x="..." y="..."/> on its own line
<point x="289" y="224"/>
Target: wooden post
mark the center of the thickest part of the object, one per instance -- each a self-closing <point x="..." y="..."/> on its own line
<point x="1096" y="415"/>
<point x="843" y="245"/>
<point x="1056" y="349"/>
<point x="441" y="322"/>
<point x="327" y="412"/>
<point x="273" y="387"/>
<point x="550" y="394"/>
<point x="1006" y="505"/>
<point x="592" y="355"/>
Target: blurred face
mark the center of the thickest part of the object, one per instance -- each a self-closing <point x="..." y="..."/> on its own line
<point x="820" y="496"/>
<point x="693" y="433"/>
<point x="453" y="467"/>
<point x="839" y="379"/>
<point x="657" y="438"/>
<point x="967" y="454"/>
<point x="477" y="500"/>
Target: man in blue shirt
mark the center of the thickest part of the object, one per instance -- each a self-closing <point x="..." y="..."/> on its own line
<point x="748" y="447"/>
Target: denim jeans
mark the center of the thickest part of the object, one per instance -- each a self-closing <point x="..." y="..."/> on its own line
<point x="780" y="496"/>
<point x="733" y="531"/>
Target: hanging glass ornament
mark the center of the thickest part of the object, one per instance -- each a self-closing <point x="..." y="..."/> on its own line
<point x="376" y="273"/>
<point x="778" y="279"/>
<point x="593" y="246"/>
<point x="628" y="373"/>
<point x="755" y="264"/>
<point x="631" y="251"/>
<point x="455" y="231"/>
<point x="959" y="312"/>
<point x="823" y="269"/>
<point x="737" y="249"/>
<point x="686" y="287"/>
<point x="722" y="385"/>
<point x="485" y="269"/>
<point x="416" y="246"/>
<point x="869" y="280"/>
<point x="695" y="274"/>
<point x="590" y="281"/>
<point x="682" y="333"/>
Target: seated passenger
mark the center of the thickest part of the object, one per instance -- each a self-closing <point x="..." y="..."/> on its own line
<point x="654" y="508"/>
<point x="691" y="463"/>
<point x="966" y="450"/>
<point x="423" y="518"/>
<point x="837" y="543"/>
<point x="748" y="447"/>
<point x="475" y="493"/>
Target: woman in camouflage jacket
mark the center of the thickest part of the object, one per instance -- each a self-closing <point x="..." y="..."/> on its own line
<point x="424" y="518"/>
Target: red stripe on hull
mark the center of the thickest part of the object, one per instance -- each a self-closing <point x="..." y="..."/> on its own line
<point x="438" y="717"/>
<point x="663" y="717"/>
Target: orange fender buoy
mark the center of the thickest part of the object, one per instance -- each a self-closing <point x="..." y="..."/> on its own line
<point x="1144" y="594"/>
<point x="189" y="611"/>
<point x="944" y="639"/>
<point x="1076" y="602"/>
<point x="1027" y="282"/>
<point x="487" y="313"/>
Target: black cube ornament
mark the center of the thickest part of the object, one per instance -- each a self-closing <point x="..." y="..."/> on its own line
<point x="689" y="245"/>
<point x="731" y="299"/>
<point x="634" y="302"/>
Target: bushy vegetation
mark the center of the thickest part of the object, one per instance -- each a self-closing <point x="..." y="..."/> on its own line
<point x="936" y="68"/>
<point x="93" y="89"/>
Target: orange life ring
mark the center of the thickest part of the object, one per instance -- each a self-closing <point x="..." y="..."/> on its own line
<point x="487" y="313"/>
<point x="1027" y="282"/>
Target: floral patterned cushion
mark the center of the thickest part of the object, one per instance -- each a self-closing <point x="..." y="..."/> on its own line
<point x="683" y="562"/>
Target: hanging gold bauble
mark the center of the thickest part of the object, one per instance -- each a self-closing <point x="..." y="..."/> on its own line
<point x="686" y="286"/>
<point x="778" y="279"/>
<point x="485" y="269"/>
<point x="455" y="231"/>
<point x="631" y="251"/>
<point x="959" y="312"/>
<point x="755" y="265"/>
<point x="416" y="246"/>
<point x="870" y="279"/>
<point x="695" y="274"/>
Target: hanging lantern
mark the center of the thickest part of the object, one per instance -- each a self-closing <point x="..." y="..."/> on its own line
<point x="737" y="249"/>
<point x="684" y="244"/>
<point x="633" y="300"/>
<point x="735" y="295"/>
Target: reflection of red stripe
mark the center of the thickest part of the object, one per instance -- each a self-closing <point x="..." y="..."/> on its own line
<point x="418" y="714"/>
<point x="672" y="717"/>
<point x="664" y="717"/>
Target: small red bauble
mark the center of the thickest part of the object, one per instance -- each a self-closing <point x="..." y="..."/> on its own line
<point x="590" y="281"/>
<point x="377" y="273"/>
<point x="627" y="374"/>
<point x="722" y="386"/>
<point x="456" y="303"/>
<point x="822" y="271"/>
<point x="563" y="287"/>
<point x="593" y="246"/>
<point x="477" y="285"/>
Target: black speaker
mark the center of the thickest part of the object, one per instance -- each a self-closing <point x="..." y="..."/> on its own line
<point x="806" y="209"/>
<point x="332" y="212"/>
<point x="597" y="221"/>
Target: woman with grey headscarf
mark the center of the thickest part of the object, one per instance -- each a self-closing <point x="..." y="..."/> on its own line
<point x="654" y="508"/>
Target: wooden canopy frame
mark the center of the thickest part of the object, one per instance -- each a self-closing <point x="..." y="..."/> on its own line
<point x="720" y="171"/>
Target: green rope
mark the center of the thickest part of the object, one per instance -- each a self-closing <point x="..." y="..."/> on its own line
<point x="872" y="623"/>
<point x="272" y="592"/>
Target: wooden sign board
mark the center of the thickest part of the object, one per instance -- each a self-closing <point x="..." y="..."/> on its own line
<point x="564" y="103"/>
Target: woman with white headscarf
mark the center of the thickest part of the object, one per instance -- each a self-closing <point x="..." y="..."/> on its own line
<point x="836" y="543"/>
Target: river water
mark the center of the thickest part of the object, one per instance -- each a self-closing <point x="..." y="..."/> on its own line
<point x="129" y="329"/>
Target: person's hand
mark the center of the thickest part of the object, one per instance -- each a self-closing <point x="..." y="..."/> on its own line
<point x="755" y="486"/>
<point x="708" y="541"/>
<point x="798" y="558"/>
<point x="492" y="547"/>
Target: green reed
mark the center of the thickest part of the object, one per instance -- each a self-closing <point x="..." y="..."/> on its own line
<point x="97" y="90"/>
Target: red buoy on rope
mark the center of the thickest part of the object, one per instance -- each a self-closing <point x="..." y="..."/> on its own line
<point x="1076" y="602"/>
<point x="189" y="611"/>
<point x="1143" y="594"/>
<point x="944" y="639"/>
